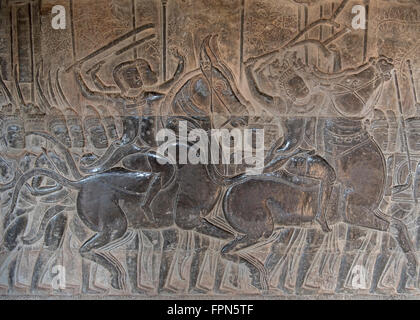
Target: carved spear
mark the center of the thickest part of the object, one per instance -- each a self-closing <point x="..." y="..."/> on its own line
<point x="412" y="82"/>
<point x="404" y="141"/>
<point x="416" y="104"/>
<point x="365" y="37"/>
<point x="164" y="49"/>
<point x="241" y="49"/>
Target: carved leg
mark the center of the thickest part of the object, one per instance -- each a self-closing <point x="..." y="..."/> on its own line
<point x="258" y="272"/>
<point x="278" y="253"/>
<point x="352" y="245"/>
<point x="314" y="240"/>
<point x="86" y="276"/>
<point x="155" y="239"/>
<point x="53" y="240"/>
<point x="220" y="271"/>
<point x="12" y="234"/>
<point x="201" y="246"/>
<point x="132" y="258"/>
<point x="381" y="262"/>
<point x="170" y="241"/>
<point x="400" y="232"/>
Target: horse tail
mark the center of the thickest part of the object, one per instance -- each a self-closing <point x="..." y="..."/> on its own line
<point x="41" y="172"/>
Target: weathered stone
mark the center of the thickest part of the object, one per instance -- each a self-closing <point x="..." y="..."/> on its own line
<point x="91" y="205"/>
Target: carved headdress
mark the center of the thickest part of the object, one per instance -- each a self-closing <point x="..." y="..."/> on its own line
<point x="55" y="116"/>
<point x="34" y="118"/>
<point x="91" y="117"/>
<point x="71" y="116"/>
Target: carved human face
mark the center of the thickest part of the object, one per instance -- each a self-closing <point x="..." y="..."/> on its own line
<point x="96" y="132"/>
<point x="136" y="75"/>
<point x="148" y="76"/>
<point x="296" y="87"/>
<point x="132" y="78"/>
<point x="76" y="133"/>
<point x="15" y="136"/>
<point x="59" y="130"/>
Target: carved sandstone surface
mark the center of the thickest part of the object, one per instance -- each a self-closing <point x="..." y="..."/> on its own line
<point x="90" y="206"/>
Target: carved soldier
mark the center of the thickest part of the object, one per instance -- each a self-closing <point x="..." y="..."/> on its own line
<point x="138" y="86"/>
<point x="94" y="128"/>
<point x="14" y="157"/>
<point x="57" y="126"/>
<point x="14" y="133"/>
<point x="74" y="124"/>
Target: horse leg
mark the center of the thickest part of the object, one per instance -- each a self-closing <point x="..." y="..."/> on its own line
<point x="89" y="251"/>
<point x="53" y="240"/>
<point x="321" y="216"/>
<point x="314" y="239"/>
<point x="104" y="216"/>
<point x="152" y="190"/>
<point x="242" y="242"/>
<point x="114" y="228"/>
<point x="207" y="229"/>
<point x="79" y="230"/>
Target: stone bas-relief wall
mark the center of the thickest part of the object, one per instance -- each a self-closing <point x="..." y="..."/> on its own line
<point x="89" y="209"/>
